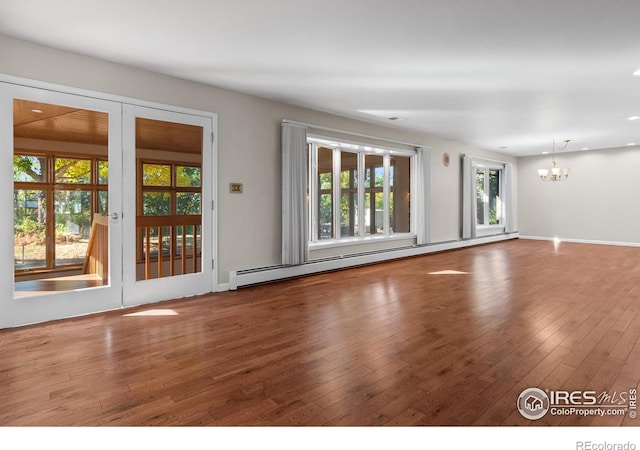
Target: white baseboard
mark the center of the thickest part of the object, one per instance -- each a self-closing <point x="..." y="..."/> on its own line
<point x="222" y="287"/>
<point x="239" y="278"/>
<point x="582" y="241"/>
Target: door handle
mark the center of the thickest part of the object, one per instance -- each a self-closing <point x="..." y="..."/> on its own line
<point x="115" y="216"/>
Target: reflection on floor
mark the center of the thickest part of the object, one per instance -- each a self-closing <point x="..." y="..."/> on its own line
<point x="49" y="285"/>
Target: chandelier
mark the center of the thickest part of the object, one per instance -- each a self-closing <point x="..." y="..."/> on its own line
<point x="555" y="173"/>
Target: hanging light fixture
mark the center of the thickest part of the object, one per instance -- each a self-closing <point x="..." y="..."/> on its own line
<point x="555" y="173"/>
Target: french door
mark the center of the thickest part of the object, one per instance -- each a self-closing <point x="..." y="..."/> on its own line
<point x="168" y="213"/>
<point x="61" y="240"/>
<point x="105" y="204"/>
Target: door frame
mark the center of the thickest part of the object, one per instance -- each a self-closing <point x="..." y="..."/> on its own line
<point x="18" y="312"/>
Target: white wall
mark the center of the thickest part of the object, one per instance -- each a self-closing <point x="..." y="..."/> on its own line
<point x="599" y="202"/>
<point x="248" y="146"/>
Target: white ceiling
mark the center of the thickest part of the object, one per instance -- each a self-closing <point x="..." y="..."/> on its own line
<point x="493" y="73"/>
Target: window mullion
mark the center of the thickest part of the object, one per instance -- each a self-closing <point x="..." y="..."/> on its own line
<point x="485" y="196"/>
<point x="385" y="194"/>
<point x="501" y="190"/>
<point x="413" y="209"/>
<point x="337" y="167"/>
<point x="361" y="205"/>
<point x="50" y="228"/>
<point x="314" y="193"/>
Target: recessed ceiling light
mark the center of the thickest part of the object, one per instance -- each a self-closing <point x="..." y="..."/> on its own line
<point x="637" y="73"/>
<point x="634" y="118"/>
<point x="631" y="143"/>
<point x="545" y="153"/>
<point x="37" y="111"/>
<point x="586" y="148"/>
<point x="504" y="147"/>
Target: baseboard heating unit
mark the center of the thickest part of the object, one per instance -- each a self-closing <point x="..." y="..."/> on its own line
<point x="248" y="277"/>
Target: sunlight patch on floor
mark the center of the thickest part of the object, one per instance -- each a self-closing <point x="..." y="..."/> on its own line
<point x="153" y="312"/>
<point x="448" y="272"/>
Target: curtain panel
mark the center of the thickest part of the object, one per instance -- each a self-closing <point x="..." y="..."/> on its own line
<point x="509" y="225"/>
<point x="468" y="198"/>
<point x="421" y="196"/>
<point x="295" y="245"/>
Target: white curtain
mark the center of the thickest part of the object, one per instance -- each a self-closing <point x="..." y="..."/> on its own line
<point x="468" y="198"/>
<point x="509" y="226"/>
<point x="421" y="196"/>
<point x="295" y="246"/>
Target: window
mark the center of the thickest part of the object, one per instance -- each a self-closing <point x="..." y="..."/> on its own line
<point x="489" y="194"/>
<point x="374" y="194"/>
<point x="357" y="191"/>
<point x="349" y="194"/>
<point x="171" y="190"/>
<point x="54" y="199"/>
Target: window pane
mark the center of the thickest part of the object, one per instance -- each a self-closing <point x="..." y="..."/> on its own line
<point x="378" y="213"/>
<point x="103" y="202"/>
<point x="29" y="229"/>
<point x="373" y="184"/>
<point x="348" y="170"/>
<point x="29" y="168"/>
<point x="325" y="181"/>
<point x="374" y="212"/>
<point x="156" y="175"/>
<point x="73" y="225"/>
<point x="188" y="203"/>
<point x="187" y="176"/>
<point x="156" y="203"/>
<point x="325" y="216"/>
<point x="75" y="171"/>
<point x="325" y="193"/>
<point x="103" y="172"/>
<point x="480" y="197"/>
<point x="379" y="176"/>
<point x="348" y="214"/>
<point x="348" y="194"/>
<point x="400" y="194"/>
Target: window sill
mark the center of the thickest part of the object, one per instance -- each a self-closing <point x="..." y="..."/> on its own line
<point x="351" y="241"/>
<point x="489" y="227"/>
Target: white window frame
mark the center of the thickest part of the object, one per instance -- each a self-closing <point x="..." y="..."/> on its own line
<point x="361" y="150"/>
<point x="501" y="192"/>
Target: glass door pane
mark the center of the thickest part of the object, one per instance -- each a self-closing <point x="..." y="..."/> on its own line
<point x="169" y="189"/>
<point x="59" y="156"/>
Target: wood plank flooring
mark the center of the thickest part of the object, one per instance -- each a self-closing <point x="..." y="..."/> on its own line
<point x="50" y="285"/>
<point x="444" y="339"/>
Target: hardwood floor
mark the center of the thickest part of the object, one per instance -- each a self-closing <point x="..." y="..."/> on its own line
<point x="50" y="285"/>
<point x="444" y="339"/>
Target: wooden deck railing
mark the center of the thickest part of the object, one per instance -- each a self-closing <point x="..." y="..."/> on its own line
<point x="169" y="239"/>
<point x="97" y="259"/>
